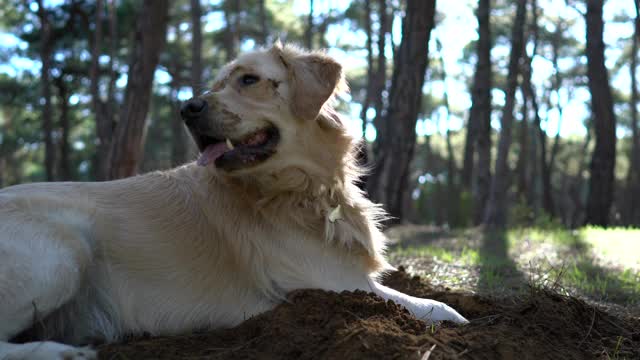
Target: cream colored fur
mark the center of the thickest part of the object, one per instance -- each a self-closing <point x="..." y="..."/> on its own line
<point x="199" y="247"/>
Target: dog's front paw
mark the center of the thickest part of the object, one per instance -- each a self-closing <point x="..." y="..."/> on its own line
<point x="47" y="350"/>
<point x="433" y="311"/>
<point x="83" y="353"/>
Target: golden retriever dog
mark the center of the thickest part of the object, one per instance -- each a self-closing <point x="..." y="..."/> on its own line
<point x="270" y="206"/>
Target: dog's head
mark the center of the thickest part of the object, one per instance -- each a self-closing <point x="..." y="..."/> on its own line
<point x="268" y="122"/>
<point x="270" y="110"/>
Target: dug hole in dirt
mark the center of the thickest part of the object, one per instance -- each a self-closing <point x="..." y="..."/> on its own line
<point x="357" y="325"/>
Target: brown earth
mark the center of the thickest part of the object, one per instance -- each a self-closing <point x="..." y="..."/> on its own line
<point x="356" y="325"/>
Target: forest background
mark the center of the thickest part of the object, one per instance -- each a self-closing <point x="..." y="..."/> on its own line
<point x="503" y="113"/>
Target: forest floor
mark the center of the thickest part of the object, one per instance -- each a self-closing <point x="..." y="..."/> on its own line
<point x="529" y="294"/>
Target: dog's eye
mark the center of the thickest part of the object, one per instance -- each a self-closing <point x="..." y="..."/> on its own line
<point x="249" y="79"/>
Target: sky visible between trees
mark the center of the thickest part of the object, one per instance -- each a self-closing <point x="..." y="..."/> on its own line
<point x="456" y="29"/>
<point x="76" y="102"/>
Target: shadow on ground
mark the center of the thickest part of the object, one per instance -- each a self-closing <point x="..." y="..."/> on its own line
<point x="498" y="271"/>
<point x="510" y="262"/>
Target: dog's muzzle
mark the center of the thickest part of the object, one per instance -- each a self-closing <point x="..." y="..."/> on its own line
<point x="194" y="112"/>
<point x="216" y="147"/>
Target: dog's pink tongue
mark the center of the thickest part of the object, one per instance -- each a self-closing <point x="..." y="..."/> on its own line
<point x="212" y="152"/>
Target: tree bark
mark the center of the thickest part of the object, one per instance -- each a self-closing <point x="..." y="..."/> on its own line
<point x="389" y="181"/>
<point x="454" y="194"/>
<point x="3" y="170"/>
<point x="46" y="37"/>
<point x="150" y="38"/>
<point x="545" y="163"/>
<point x="478" y="138"/>
<point x="180" y="148"/>
<point x="522" y="185"/>
<point x="545" y="166"/>
<point x="601" y="182"/>
<point x="496" y="210"/>
<point x="262" y="13"/>
<point x="103" y="122"/>
<point x="65" y="127"/>
<point x="196" y="48"/>
<point x="231" y="36"/>
<point x="112" y="104"/>
<point x="381" y="71"/>
<point x="576" y="187"/>
<point x="308" y="34"/>
<point x="633" y="175"/>
<point x="370" y="78"/>
<point x="548" y="165"/>
<point x="528" y="175"/>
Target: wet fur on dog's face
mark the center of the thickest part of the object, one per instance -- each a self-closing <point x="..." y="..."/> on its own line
<point x="270" y="110"/>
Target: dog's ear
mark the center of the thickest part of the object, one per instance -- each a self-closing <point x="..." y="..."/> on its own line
<point x="313" y="79"/>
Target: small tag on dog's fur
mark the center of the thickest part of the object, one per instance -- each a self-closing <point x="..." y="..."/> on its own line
<point x="335" y="214"/>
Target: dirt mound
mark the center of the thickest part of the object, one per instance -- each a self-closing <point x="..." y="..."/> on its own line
<point x="357" y="325"/>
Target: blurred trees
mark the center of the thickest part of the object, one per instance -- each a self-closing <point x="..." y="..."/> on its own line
<point x="476" y="168"/>
<point x="496" y="207"/>
<point x="601" y="182"/>
<point x="388" y="184"/>
<point x="150" y="36"/>
<point x="73" y="103"/>
<point x="633" y="174"/>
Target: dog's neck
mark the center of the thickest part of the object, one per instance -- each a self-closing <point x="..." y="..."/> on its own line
<point x="331" y="208"/>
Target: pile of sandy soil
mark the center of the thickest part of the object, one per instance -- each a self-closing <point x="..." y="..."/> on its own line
<point x="357" y="325"/>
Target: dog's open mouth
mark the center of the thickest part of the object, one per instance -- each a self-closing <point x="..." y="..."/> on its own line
<point x="232" y="154"/>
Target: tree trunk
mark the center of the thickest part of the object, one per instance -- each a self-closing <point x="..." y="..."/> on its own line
<point x="308" y="34"/>
<point x="103" y="123"/>
<point x="3" y="169"/>
<point x="179" y="145"/>
<point x="496" y="210"/>
<point x="481" y="92"/>
<point x="112" y="105"/>
<point x="65" y="163"/>
<point x="370" y="78"/>
<point x="380" y="75"/>
<point x="381" y="70"/>
<point x="575" y="190"/>
<point x="548" y="165"/>
<point x="180" y="148"/>
<point x="601" y="183"/>
<point x="633" y="175"/>
<point x="453" y="193"/>
<point x="231" y="38"/>
<point x="478" y="138"/>
<point x="389" y="181"/>
<point x="46" y="37"/>
<point x="262" y="13"/>
<point x="530" y="93"/>
<point x="522" y="185"/>
<point x="150" y="38"/>
<point x="545" y="166"/>
<point x="196" y="48"/>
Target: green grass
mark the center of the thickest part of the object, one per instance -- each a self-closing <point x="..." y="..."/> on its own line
<point x="600" y="264"/>
<point x="464" y="256"/>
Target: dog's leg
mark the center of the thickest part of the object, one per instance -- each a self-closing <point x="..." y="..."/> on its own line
<point x="424" y="309"/>
<point x="44" y="350"/>
<point x="41" y="268"/>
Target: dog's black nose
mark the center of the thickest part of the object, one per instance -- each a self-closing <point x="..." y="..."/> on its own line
<point x="193" y="109"/>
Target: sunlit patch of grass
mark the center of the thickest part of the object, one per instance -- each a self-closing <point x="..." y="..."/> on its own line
<point x="620" y="246"/>
<point x="598" y="283"/>
<point x="465" y="256"/>
<point x="601" y="264"/>
<point x="557" y="236"/>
